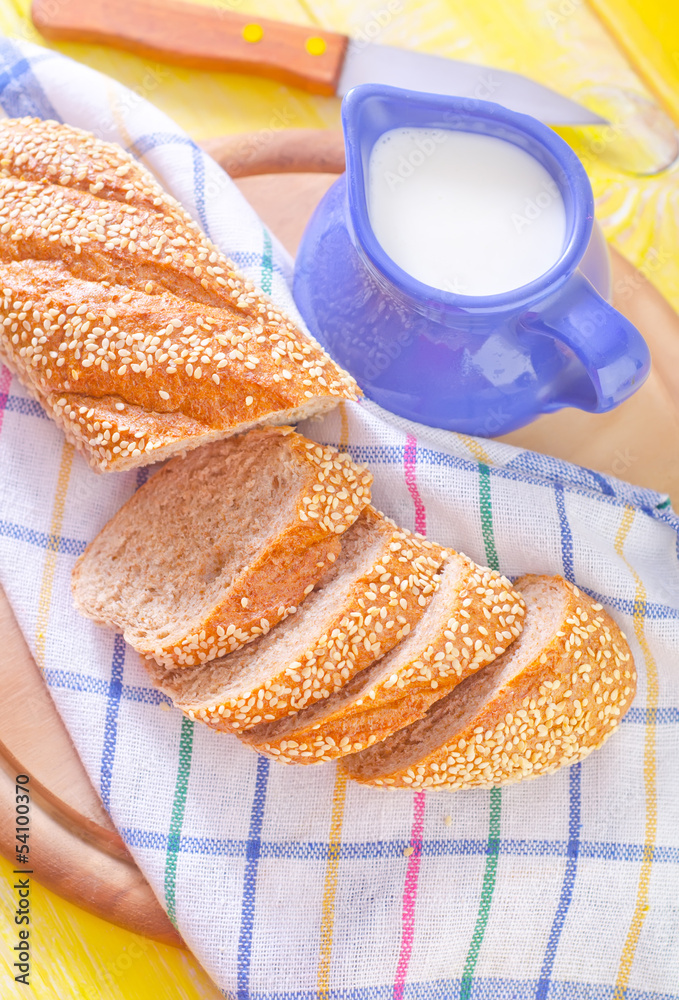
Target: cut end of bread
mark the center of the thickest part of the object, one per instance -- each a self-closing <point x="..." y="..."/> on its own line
<point x="555" y="695"/>
<point x="378" y="588"/>
<point x="221" y="545"/>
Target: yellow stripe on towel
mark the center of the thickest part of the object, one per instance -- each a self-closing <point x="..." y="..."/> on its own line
<point x="337" y="819"/>
<point x="477" y="449"/>
<point x="52" y="552"/>
<point x="330" y="888"/>
<point x="641" y="905"/>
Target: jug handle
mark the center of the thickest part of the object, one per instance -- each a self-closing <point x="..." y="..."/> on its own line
<point x="611" y="358"/>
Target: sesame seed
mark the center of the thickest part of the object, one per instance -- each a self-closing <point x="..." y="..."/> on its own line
<point x="104" y="206"/>
<point x="538" y="734"/>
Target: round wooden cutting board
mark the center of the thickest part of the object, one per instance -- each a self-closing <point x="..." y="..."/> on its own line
<point x="75" y="849"/>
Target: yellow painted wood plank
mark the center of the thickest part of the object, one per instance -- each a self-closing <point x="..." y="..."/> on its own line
<point x="647" y="31"/>
<point x="75" y="954"/>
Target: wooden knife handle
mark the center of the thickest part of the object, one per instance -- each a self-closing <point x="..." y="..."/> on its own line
<point x="202" y="37"/>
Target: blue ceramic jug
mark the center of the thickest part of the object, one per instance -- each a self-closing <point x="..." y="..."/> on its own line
<point x="482" y="365"/>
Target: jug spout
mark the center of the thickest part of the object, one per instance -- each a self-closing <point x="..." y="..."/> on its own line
<point x="605" y="357"/>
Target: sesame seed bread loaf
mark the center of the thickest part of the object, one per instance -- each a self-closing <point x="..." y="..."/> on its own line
<point x="471" y="619"/>
<point x="133" y="330"/>
<point x="377" y="589"/>
<point x="556" y="694"/>
<point x="221" y="544"/>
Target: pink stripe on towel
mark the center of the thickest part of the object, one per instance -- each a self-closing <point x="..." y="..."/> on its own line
<point x="410" y="895"/>
<point x="5" y="382"/>
<point x="410" y="463"/>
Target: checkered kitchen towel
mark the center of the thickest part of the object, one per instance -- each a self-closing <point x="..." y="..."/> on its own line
<point x="288" y="882"/>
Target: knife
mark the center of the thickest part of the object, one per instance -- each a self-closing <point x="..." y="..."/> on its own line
<point x="320" y="62"/>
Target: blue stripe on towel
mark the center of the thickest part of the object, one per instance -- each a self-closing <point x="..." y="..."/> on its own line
<point x="317" y="851"/>
<point x="574" y="824"/>
<point x="20" y="90"/>
<point x="491" y="988"/>
<point x="153" y="140"/>
<point x="115" y="691"/>
<point x="111" y="726"/>
<point x="253" y="852"/>
<point x="22" y="405"/>
<point x="566" y="533"/>
<point x="53" y="543"/>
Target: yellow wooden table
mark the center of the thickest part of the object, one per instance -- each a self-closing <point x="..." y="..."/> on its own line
<point x="610" y="47"/>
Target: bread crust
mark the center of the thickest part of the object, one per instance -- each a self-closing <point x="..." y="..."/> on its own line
<point x="330" y="495"/>
<point x="485" y="617"/>
<point x="381" y="608"/>
<point x="134" y="331"/>
<point x="563" y="704"/>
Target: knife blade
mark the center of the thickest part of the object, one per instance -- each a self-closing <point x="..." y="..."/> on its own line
<point x="370" y="63"/>
<point x="322" y="62"/>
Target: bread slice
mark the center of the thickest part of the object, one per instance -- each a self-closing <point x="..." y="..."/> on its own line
<point x="132" y="329"/>
<point x="220" y="545"/>
<point x="556" y="694"/>
<point x="377" y="589"/>
<point x="471" y="619"/>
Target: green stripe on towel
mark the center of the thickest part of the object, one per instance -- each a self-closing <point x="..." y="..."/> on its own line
<point x="490" y="872"/>
<point x="486" y="893"/>
<point x="267" y="263"/>
<point x="487" y="516"/>
<point x="180" y="789"/>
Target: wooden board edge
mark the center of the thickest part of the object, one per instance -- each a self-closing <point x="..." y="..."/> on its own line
<point x="106" y="886"/>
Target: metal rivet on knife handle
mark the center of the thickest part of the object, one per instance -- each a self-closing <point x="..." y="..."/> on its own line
<point x="253" y="33"/>
<point x="315" y="46"/>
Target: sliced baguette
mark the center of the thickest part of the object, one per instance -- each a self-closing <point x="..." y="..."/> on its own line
<point x="377" y="589"/>
<point x="471" y="619"/>
<point x="556" y="694"/>
<point x="220" y="545"/>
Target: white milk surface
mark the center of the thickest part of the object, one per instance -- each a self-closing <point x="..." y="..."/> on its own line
<point x="463" y="212"/>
